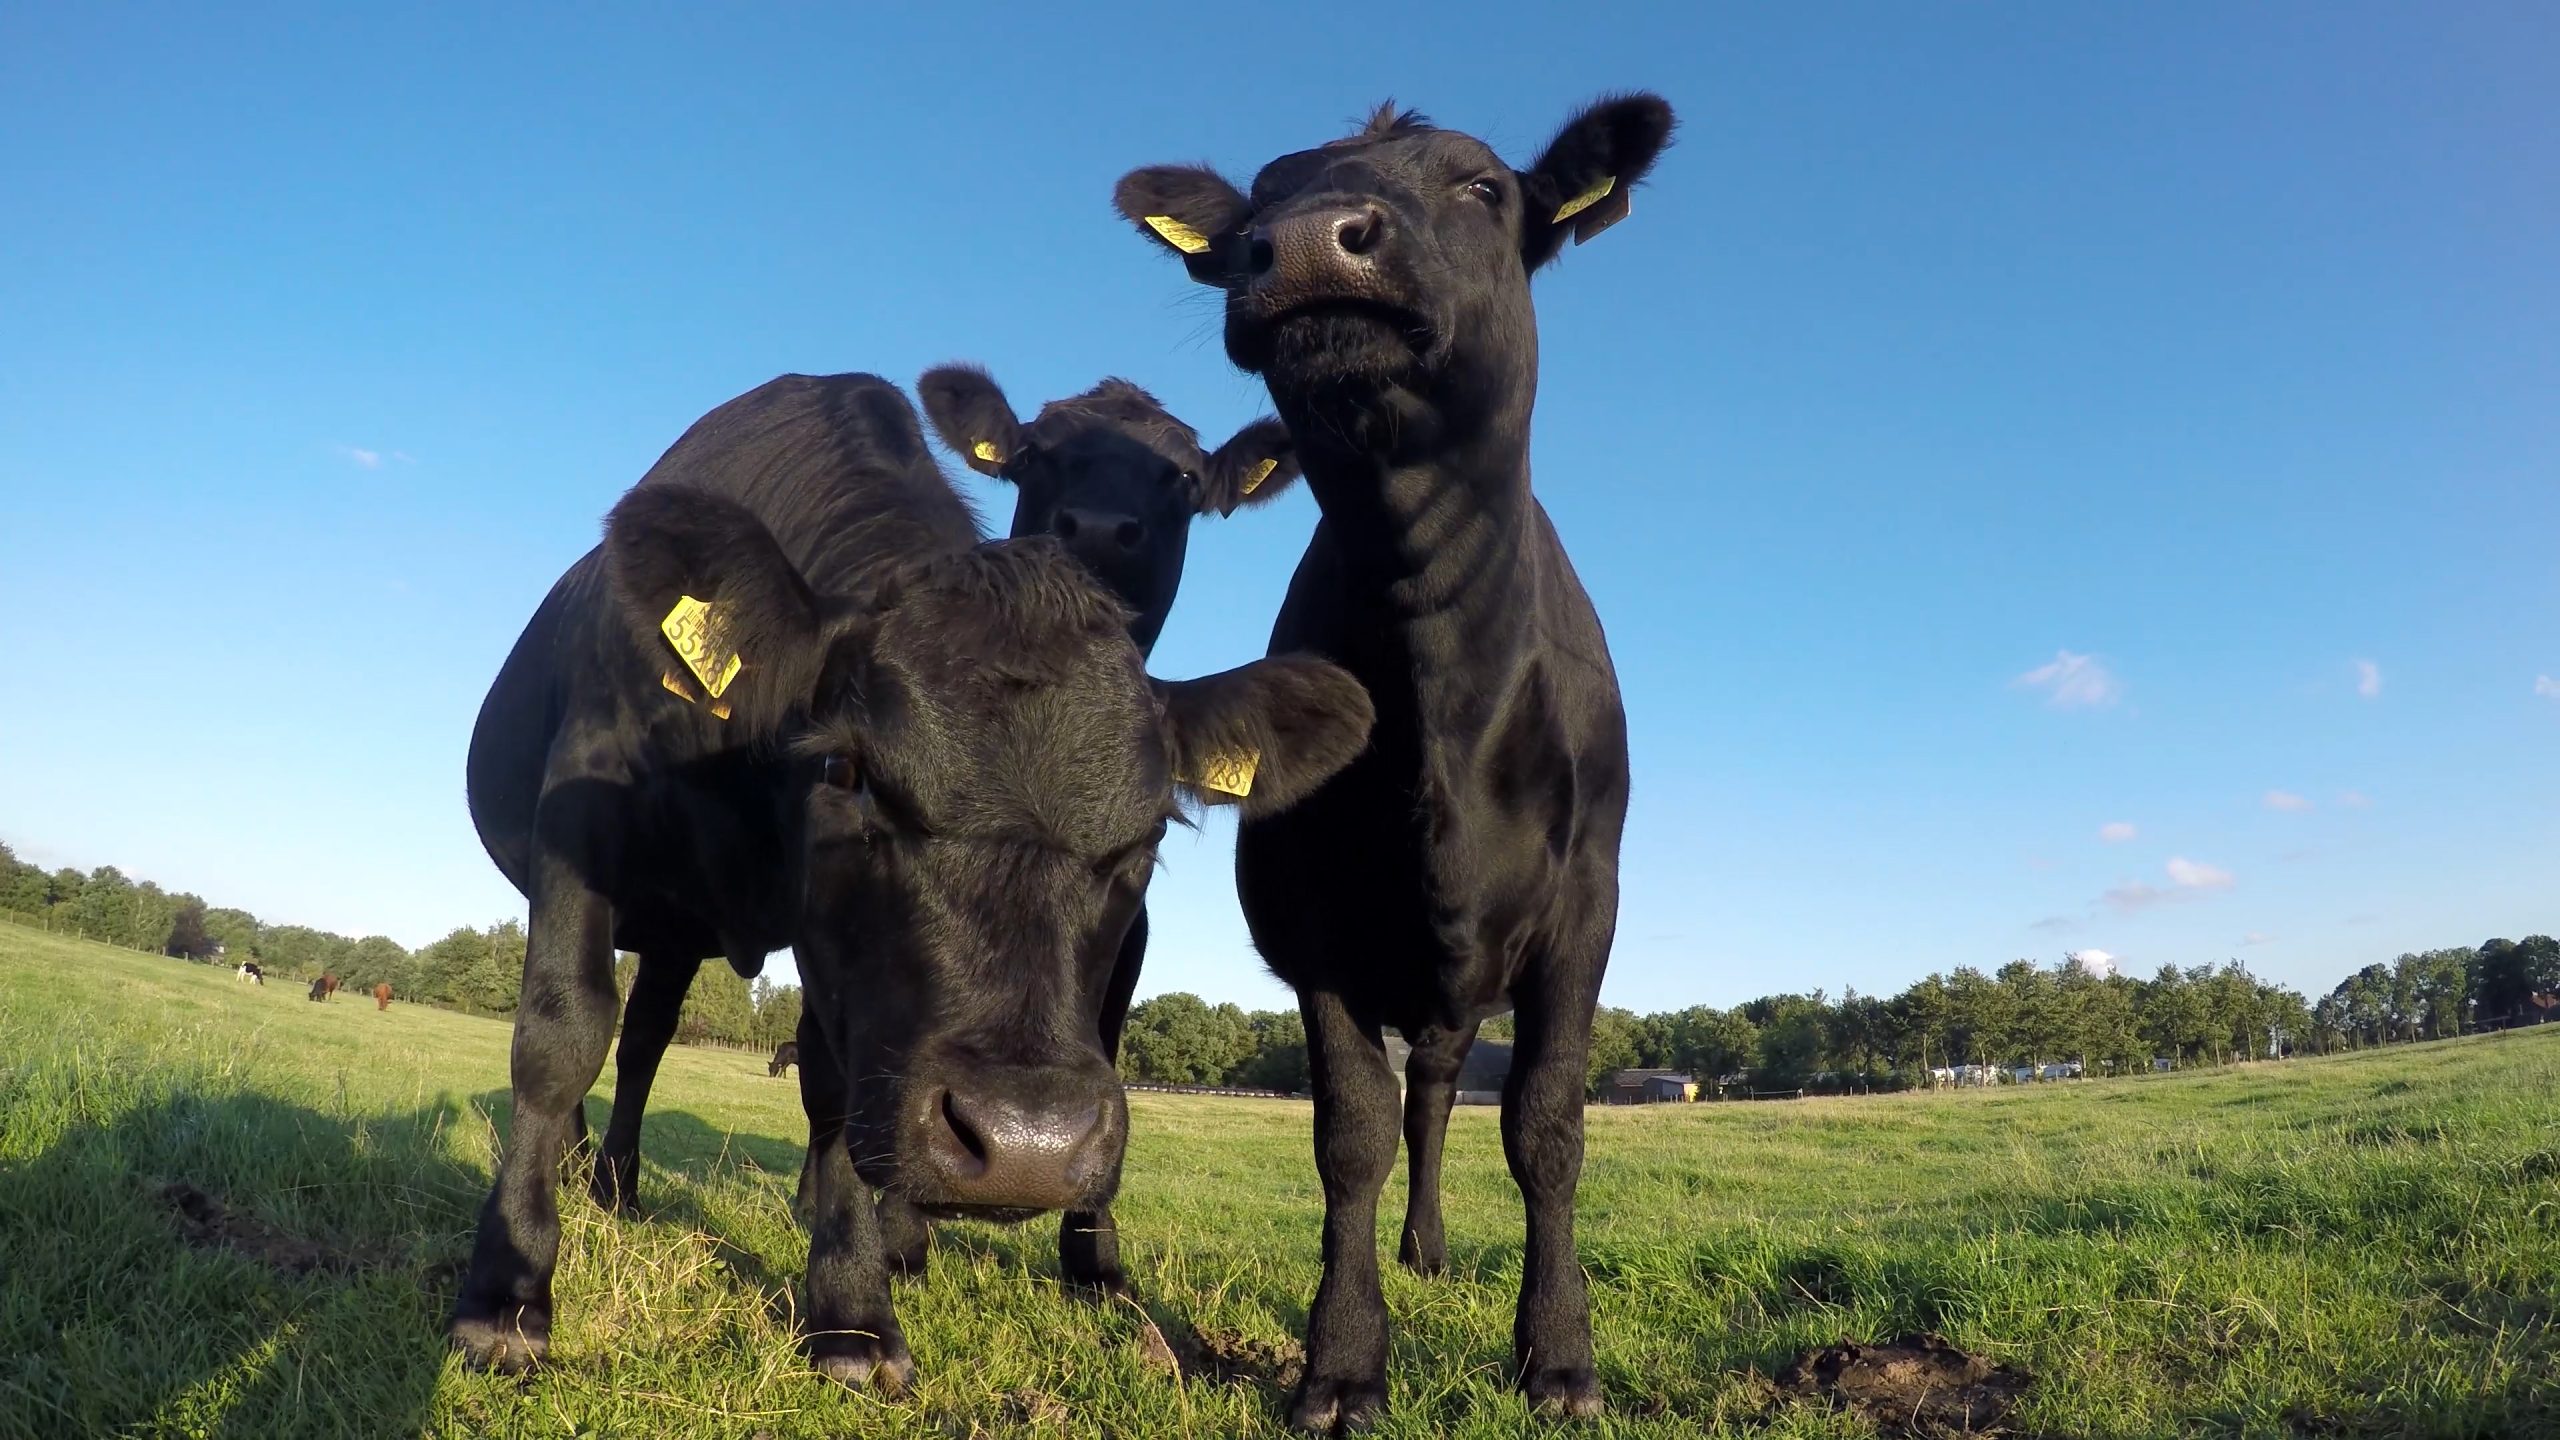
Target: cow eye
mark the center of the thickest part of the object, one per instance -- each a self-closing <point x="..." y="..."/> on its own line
<point x="1486" y="191"/>
<point x="840" y="772"/>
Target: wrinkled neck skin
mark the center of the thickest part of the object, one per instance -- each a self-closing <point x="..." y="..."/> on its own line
<point x="1424" y="483"/>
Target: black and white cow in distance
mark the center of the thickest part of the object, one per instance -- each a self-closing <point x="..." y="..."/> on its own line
<point x="1467" y="862"/>
<point x="794" y="699"/>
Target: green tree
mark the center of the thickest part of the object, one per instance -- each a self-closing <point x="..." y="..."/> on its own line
<point x="1279" y="1058"/>
<point x="1179" y="1039"/>
<point x="188" y="937"/>
<point x="1614" y="1039"/>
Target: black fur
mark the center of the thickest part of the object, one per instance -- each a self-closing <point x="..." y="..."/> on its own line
<point x="941" y="782"/>
<point x="1466" y="862"/>
<point x="1118" y="480"/>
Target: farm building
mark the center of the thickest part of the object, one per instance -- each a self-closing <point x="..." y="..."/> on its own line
<point x="1649" y="1087"/>
<point x="1480" y="1077"/>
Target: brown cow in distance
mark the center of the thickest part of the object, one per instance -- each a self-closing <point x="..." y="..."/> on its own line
<point x="324" y="987"/>
<point x="382" y="996"/>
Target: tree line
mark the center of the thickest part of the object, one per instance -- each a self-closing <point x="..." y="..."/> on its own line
<point x="477" y="970"/>
<point x="1965" y="1024"/>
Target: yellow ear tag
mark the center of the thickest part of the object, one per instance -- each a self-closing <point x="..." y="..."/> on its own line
<point x="1586" y="199"/>
<point x="986" y="450"/>
<point x="1178" y="235"/>
<point x="1230" y="774"/>
<point x="1257" y="475"/>
<point x="695" y="631"/>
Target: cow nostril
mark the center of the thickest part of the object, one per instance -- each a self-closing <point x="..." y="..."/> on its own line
<point x="1257" y="259"/>
<point x="972" y="1145"/>
<point x="1129" y="533"/>
<point x="1359" y="233"/>
<point x="1066" y="526"/>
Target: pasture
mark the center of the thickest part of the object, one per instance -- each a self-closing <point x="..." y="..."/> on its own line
<point x="228" y="1211"/>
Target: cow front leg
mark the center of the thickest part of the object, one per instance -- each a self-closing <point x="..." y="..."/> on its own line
<point x="851" y="1329"/>
<point x="1430" y="1088"/>
<point x="648" y="1027"/>
<point x="1089" y="1240"/>
<point x="564" y="1023"/>
<point x="1355" y="1134"/>
<point x="1542" y="1103"/>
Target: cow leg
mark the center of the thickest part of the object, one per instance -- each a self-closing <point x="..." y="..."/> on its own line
<point x="1542" y="1104"/>
<point x="658" y="988"/>
<point x="1430" y="1088"/>
<point x="1355" y="1093"/>
<point x="851" y="1331"/>
<point x="821" y="1100"/>
<point x="564" y="1024"/>
<point x="1089" y="1240"/>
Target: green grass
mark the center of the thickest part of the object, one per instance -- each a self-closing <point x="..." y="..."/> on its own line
<point x="2362" y="1245"/>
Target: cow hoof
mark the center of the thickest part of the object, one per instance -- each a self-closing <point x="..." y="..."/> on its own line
<point x="1428" y="1261"/>
<point x="1107" y="1287"/>
<point x="617" y="1201"/>
<point x="1337" y="1407"/>
<point x="854" y="1360"/>
<point x="1571" y="1392"/>
<point x="509" y="1344"/>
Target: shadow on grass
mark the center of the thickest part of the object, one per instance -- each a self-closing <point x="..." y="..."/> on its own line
<point x="230" y="1265"/>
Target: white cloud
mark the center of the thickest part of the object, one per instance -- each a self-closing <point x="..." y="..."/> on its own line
<point x="2073" y="682"/>
<point x="2287" y="800"/>
<point x="2368" y="679"/>
<point x="2135" y="896"/>
<point x="2189" y="874"/>
<point x="2546" y="687"/>
<point x="2097" y="962"/>
<point x="2116" y="832"/>
<point x="2256" y="937"/>
<point x="2354" y="799"/>
<point x="369" y="459"/>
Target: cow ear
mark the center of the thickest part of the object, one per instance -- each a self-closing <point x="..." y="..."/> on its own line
<point x="1187" y="209"/>
<point x="713" y="598"/>
<point x="1264" y="735"/>
<point x="1252" y="468"/>
<point x="1581" y="183"/>
<point x="972" y="416"/>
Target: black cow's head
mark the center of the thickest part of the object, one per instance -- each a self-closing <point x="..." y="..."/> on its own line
<point x="1111" y="474"/>
<point x="978" y="770"/>
<point x="1398" y="258"/>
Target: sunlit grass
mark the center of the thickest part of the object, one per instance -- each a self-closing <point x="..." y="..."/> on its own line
<point x="2364" y="1244"/>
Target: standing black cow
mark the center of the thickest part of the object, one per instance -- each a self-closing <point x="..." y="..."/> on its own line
<point x="793" y="699"/>
<point x="785" y="1055"/>
<point x="1468" y="860"/>
<point x="1118" y="480"/>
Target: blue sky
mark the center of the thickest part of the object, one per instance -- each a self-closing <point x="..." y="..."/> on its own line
<point x="1995" y="423"/>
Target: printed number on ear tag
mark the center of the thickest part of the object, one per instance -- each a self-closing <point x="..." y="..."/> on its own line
<point x="1178" y="235"/>
<point x="675" y="685"/>
<point x="1230" y="774"/>
<point x="694" y="628"/>
<point x="1585" y="200"/>
<point x="1259" y="473"/>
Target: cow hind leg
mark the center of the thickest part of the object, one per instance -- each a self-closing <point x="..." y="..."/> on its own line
<point x="648" y="1028"/>
<point x="564" y="1023"/>
<point x="1355" y="1092"/>
<point x="1542" y="1103"/>
<point x="1431" y="1087"/>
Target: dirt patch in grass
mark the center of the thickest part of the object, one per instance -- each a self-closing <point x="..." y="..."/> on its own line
<point x="1918" y="1386"/>
<point x="1219" y="1357"/>
<point x="207" y="1224"/>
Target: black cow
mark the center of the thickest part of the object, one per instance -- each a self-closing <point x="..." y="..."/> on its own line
<point x="785" y="1055"/>
<point x="324" y="987"/>
<point x="1467" y="861"/>
<point x="793" y="699"/>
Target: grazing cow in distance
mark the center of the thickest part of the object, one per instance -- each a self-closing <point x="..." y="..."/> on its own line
<point x="324" y="987"/>
<point x="250" y="973"/>
<point x="382" y="995"/>
<point x="785" y="1055"/>
<point x="1467" y="862"/>
<point x="795" y="699"/>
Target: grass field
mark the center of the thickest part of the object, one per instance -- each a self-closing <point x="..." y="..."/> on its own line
<point x="2361" y="1245"/>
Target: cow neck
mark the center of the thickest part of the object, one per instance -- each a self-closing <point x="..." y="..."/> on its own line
<point x="1434" y="535"/>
